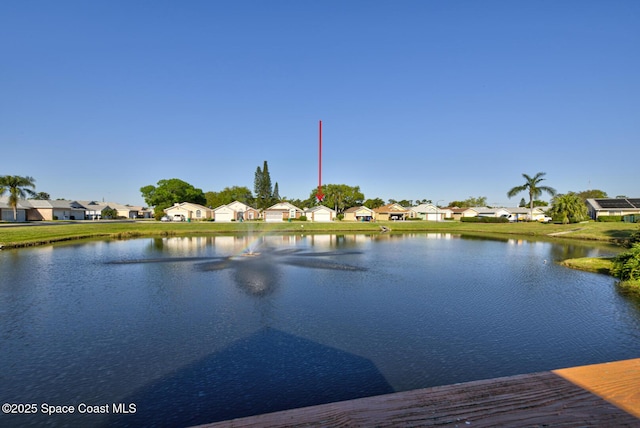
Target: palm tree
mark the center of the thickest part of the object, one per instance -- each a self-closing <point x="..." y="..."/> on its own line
<point x="569" y="208"/>
<point x="19" y="188"/>
<point x="532" y="184"/>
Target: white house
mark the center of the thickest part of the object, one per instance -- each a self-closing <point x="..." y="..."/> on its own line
<point x="526" y="214"/>
<point x="188" y="211"/>
<point x="320" y="213"/>
<point x="281" y="211"/>
<point x="430" y="212"/>
<point x="491" y="212"/>
<point x="235" y="211"/>
<point x="93" y="209"/>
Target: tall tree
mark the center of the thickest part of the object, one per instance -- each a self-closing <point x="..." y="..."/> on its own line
<point x="480" y="201"/>
<point x="339" y="196"/>
<point x="276" y="193"/>
<point x="568" y="208"/>
<point x="19" y="188"/>
<point x="373" y="203"/>
<point x="262" y="187"/>
<point x="169" y="192"/>
<point x="592" y="194"/>
<point x="41" y="196"/>
<point x="228" y="195"/>
<point x="532" y="185"/>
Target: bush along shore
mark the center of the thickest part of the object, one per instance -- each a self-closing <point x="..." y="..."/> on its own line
<point x="625" y="266"/>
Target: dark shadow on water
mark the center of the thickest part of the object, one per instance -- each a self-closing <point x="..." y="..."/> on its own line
<point x="266" y="372"/>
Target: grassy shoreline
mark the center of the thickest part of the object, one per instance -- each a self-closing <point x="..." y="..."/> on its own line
<point x="25" y="235"/>
<point x="602" y="265"/>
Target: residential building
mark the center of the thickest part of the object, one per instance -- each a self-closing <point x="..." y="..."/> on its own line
<point x="187" y="211"/>
<point x="613" y="207"/>
<point x="320" y="213"/>
<point x="358" y="214"/>
<point x="281" y="211"/>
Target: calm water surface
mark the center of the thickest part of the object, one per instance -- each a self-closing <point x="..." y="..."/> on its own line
<point x="190" y="331"/>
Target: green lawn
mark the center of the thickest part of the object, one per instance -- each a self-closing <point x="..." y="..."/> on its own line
<point x="38" y="234"/>
<point x="589" y="264"/>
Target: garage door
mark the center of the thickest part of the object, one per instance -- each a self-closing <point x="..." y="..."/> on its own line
<point x="7" y="215"/>
<point x="273" y="216"/>
<point x="222" y="217"/>
<point x="322" y="216"/>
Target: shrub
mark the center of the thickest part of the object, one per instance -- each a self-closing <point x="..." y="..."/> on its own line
<point x="610" y="218"/>
<point x="484" y="220"/>
<point x="634" y="238"/>
<point x="626" y="266"/>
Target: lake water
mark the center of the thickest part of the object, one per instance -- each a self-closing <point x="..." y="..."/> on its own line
<point x="190" y="330"/>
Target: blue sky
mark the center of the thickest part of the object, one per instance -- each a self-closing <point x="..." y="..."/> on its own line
<point x="419" y="99"/>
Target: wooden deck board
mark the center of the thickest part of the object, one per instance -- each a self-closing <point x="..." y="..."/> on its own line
<point x="563" y="398"/>
<point x="617" y="382"/>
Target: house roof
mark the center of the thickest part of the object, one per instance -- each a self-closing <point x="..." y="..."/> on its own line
<point x="391" y="208"/>
<point x="22" y="203"/>
<point x="239" y="206"/>
<point x="356" y="209"/>
<point x="223" y="208"/>
<point x="422" y="208"/>
<point x="94" y="206"/>
<point x="462" y="210"/>
<point x="523" y="210"/>
<point x="617" y="204"/>
<point x="188" y="205"/>
<point x="283" y="206"/>
<point x="319" y="208"/>
<point x="487" y="210"/>
<point x="57" y="203"/>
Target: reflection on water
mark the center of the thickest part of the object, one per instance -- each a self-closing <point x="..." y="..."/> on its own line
<point x="262" y="323"/>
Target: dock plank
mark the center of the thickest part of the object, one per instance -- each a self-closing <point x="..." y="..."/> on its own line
<point x="617" y="382"/>
<point x="547" y="399"/>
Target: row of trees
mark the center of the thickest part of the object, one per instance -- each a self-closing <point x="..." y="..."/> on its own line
<point x="568" y="208"/>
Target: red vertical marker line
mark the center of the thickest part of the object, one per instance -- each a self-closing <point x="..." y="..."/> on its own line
<point x="319" y="195"/>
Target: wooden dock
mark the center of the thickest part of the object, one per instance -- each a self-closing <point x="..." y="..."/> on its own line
<point x="600" y="395"/>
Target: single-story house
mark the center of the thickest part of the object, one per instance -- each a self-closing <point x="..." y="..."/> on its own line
<point x="491" y="212"/>
<point x="6" y="211"/>
<point x="320" y="213"/>
<point x="235" y="211"/>
<point x="390" y="212"/>
<point x="281" y="211"/>
<point x="430" y="212"/>
<point x="188" y="211"/>
<point x="55" y="210"/>
<point x="613" y="207"/>
<point x="93" y="209"/>
<point x="358" y="214"/>
<point x="525" y="214"/>
<point x="224" y="214"/>
<point x="130" y="211"/>
<point x="458" y="213"/>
